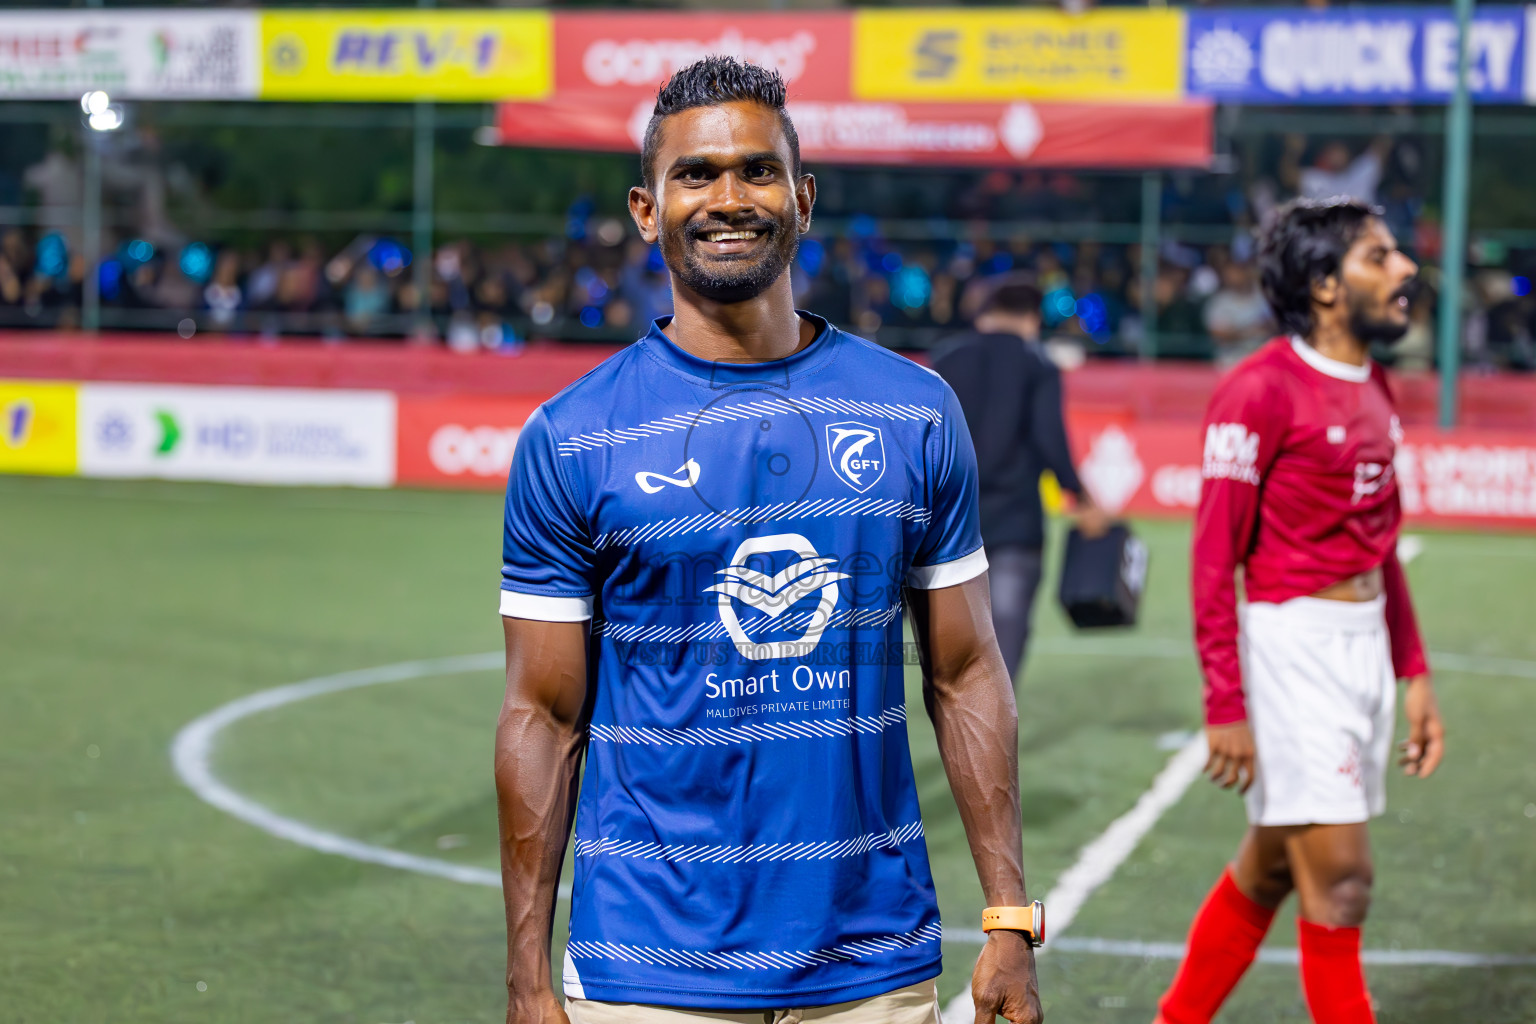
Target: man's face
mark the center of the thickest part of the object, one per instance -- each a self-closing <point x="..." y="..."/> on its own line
<point x="727" y="208"/>
<point x="1377" y="282"/>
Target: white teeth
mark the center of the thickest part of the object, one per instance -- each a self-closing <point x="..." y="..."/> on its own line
<point x="729" y="236"/>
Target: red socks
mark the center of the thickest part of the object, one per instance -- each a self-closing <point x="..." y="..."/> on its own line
<point x="1223" y="941"/>
<point x="1331" y="976"/>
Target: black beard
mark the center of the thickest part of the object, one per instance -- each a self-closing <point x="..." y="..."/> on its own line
<point x="729" y="280"/>
<point x="1372" y="331"/>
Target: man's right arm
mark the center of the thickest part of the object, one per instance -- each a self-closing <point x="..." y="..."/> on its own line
<point x="1242" y="434"/>
<point x="540" y="738"/>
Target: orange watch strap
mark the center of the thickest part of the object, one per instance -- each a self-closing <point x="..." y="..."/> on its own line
<point x="1029" y="920"/>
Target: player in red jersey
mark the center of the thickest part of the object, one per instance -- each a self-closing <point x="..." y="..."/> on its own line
<point x="1300" y="683"/>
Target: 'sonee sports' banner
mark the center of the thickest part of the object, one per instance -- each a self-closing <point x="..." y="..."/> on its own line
<point x="37" y="427"/>
<point x="1364" y="54"/>
<point x="371" y="54"/>
<point x="976" y="134"/>
<point x="1460" y="478"/>
<point x="146" y="54"/>
<point x="633" y="54"/>
<point x="237" y="435"/>
<point x="1013" y="53"/>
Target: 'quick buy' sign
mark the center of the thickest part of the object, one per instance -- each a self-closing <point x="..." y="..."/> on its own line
<point x="1392" y="54"/>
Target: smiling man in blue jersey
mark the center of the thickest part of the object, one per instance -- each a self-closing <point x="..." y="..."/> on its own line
<point x="710" y="542"/>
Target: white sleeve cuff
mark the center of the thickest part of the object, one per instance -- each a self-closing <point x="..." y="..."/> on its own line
<point x="545" y="609"/>
<point x="948" y="574"/>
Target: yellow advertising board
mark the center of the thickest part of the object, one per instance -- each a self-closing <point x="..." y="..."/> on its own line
<point x="37" y="427"/>
<point x="1018" y="53"/>
<point x="464" y="55"/>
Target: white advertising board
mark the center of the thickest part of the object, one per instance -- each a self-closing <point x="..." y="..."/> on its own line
<point x="145" y="54"/>
<point x="237" y="435"/>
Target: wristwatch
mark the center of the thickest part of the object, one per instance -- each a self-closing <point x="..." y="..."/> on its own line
<point x="1029" y="920"/>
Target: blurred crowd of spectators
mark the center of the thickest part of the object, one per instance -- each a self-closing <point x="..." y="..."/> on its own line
<point x="597" y="281"/>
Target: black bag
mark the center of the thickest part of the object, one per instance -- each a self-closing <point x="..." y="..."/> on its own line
<point x="1102" y="579"/>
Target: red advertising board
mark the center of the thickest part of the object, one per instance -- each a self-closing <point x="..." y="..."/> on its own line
<point x="954" y="134"/>
<point x="629" y="56"/>
<point x="1456" y="478"/>
<point x="459" y="440"/>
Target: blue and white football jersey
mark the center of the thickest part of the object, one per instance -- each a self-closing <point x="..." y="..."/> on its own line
<point x="748" y="833"/>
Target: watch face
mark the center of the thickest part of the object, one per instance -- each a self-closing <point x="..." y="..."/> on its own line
<point x="1039" y="924"/>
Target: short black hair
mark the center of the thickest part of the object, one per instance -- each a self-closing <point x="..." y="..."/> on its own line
<point x="709" y="83"/>
<point x="1303" y="242"/>
<point x="1014" y="295"/>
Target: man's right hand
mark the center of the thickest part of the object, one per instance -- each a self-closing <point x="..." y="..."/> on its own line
<point x="1231" y="760"/>
<point x="1004" y="983"/>
<point x="543" y="1008"/>
<point x="1092" y="521"/>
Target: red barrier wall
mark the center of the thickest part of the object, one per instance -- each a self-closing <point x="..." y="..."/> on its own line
<point x="541" y="369"/>
<point x="1135" y="428"/>
<point x="1127" y="390"/>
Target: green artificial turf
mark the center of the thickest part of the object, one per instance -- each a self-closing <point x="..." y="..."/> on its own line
<point x="128" y="609"/>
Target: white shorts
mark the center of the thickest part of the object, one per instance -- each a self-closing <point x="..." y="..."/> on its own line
<point x="1321" y="703"/>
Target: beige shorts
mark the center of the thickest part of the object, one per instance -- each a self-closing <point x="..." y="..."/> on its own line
<point x="915" y="1004"/>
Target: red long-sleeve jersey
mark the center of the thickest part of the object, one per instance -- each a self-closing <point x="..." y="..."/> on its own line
<point x="1299" y="490"/>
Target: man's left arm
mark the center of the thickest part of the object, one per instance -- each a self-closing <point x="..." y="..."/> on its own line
<point x="1425" y="745"/>
<point x="970" y="700"/>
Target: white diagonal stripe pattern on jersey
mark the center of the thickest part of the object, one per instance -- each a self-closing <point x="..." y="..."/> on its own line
<point x="826" y="850"/>
<point x="750" y="732"/>
<point x="783" y="959"/>
<point x="578" y="443"/>
<point x="710" y="630"/>
<point x="763" y="514"/>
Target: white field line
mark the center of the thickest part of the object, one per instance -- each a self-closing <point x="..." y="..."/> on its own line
<point x="192" y="753"/>
<point x="1386" y="957"/>
<point x="1409" y="547"/>
<point x="1097" y="861"/>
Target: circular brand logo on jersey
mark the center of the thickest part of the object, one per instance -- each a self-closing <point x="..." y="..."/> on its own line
<point x="773" y="595"/>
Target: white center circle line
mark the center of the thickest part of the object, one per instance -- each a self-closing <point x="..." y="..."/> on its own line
<point x="192" y="749"/>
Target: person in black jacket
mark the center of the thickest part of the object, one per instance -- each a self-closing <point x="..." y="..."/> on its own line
<point x="1011" y="395"/>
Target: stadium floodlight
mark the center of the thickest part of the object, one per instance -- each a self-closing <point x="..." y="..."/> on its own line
<point x="109" y="120"/>
<point x="101" y="114"/>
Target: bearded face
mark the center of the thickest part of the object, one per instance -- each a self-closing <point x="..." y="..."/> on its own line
<point x="728" y="260"/>
<point x="725" y="204"/>
<point x="1378" y="283"/>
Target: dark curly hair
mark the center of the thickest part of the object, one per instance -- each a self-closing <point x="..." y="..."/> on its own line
<point x="1303" y="242"/>
<point x="709" y="83"/>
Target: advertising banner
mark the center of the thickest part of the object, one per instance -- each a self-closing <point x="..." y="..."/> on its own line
<point x="405" y="55"/>
<point x="37" y="427"/>
<point x="974" y="134"/>
<point x="1354" y="55"/>
<point x="459" y="440"/>
<point x="1018" y="53"/>
<point x="1464" y="478"/>
<point x="147" y="54"/>
<point x="631" y="55"/>
<point x="237" y="435"/>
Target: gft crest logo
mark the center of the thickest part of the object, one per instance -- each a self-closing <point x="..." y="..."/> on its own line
<point x="857" y="454"/>
<point x="774" y="595"/>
